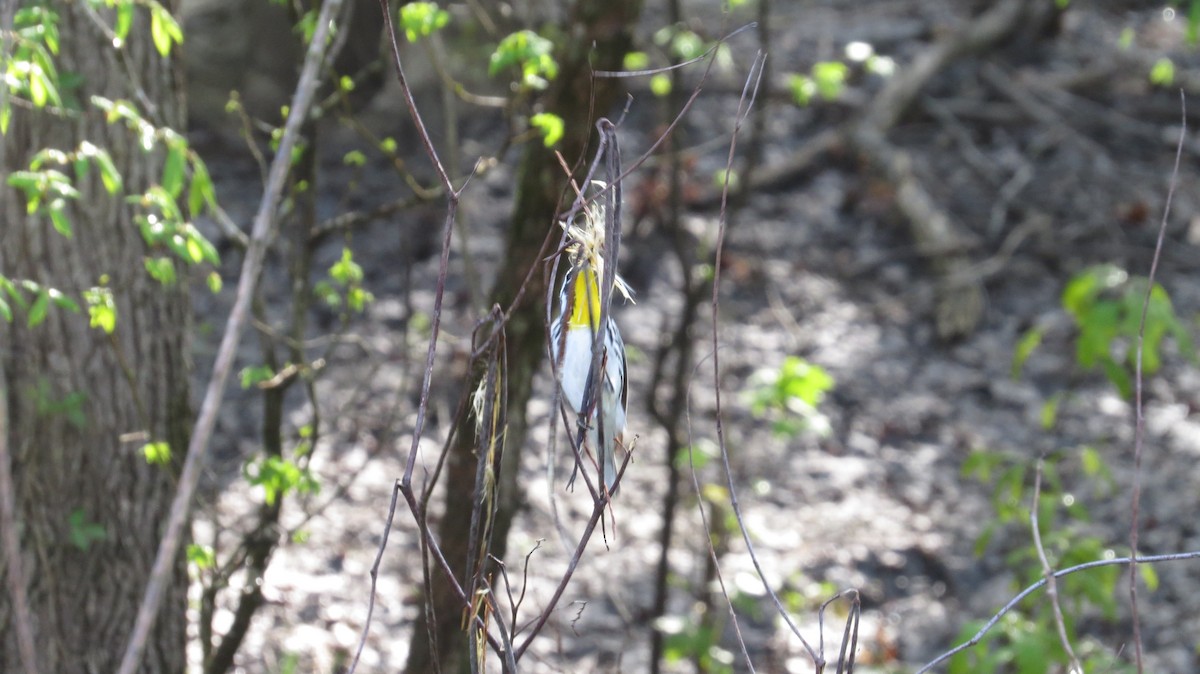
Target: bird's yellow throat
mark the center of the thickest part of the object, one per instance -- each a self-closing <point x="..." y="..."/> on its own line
<point x="585" y="305"/>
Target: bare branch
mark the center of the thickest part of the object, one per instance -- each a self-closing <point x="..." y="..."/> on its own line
<point x="743" y="112"/>
<point x="1139" y="428"/>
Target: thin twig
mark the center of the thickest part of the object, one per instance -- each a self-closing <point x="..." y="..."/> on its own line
<point x="404" y="484"/>
<point x="712" y="551"/>
<point x="716" y="303"/>
<point x="374" y="573"/>
<point x="1139" y="428"/>
<point x="264" y="222"/>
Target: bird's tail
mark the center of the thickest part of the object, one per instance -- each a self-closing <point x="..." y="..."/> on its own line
<point x="610" y="431"/>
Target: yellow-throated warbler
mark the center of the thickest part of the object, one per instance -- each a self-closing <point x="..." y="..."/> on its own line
<point x="579" y="316"/>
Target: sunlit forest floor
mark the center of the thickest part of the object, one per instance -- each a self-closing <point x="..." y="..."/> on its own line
<point x="1051" y="154"/>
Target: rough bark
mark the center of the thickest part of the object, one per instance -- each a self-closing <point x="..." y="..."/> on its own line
<point x="74" y="391"/>
<point x="599" y="32"/>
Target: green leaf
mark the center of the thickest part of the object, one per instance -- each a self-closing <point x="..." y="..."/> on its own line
<point x="358" y="299"/>
<point x="102" y="309"/>
<point x="1086" y="286"/>
<point x="252" y="376"/>
<point x="660" y="85"/>
<point x="278" y="477"/>
<point x="62" y="301"/>
<point x="200" y="192"/>
<point x="723" y="177"/>
<point x="1118" y="376"/>
<point x="1162" y="73"/>
<point x="164" y="30"/>
<point x="803" y="88"/>
<point x="214" y="282"/>
<point x="1092" y="462"/>
<point x="550" y="125"/>
<point x="199" y="248"/>
<point x="83" y="533"/>
<point x="195" y="253"/>
<point x="158" y="33"/>
<point x="11" y="288"/>
<point x="37" y="87"/>
<point x="1097" y="330"/>
<point x="58" y="217"/>
<point x="37" y="313"/>
<point x="81" y="166"/>
<point x="422" y="19"/>
<point x="1049" y="412"/>
<point x="687" y="45"/>
<point x="1025" y="348"/>
<point x="124" y="21"/>
<point x="161" y="269"/>
<point x="346" y="271"/>
<point x="157" y="453"/>
<point x="830" y="78"/>
<point x="1125" y="41"/>
<point x="172" y="177"/>
<point x="306" y="26"/>
<point x="108" y="171"/>
<point x="1149" y="576"/>
<point x="528" y="52"/>
<point x="5" y="311"/>
<point x="203" y="556"/>
<point x="636" y="60"/>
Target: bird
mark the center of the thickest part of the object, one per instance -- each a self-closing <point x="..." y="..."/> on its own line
<point x="579" y="316"/>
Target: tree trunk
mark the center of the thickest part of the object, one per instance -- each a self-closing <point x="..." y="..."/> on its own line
<point x="600" y="31"/>
<point x="82" y="403"/>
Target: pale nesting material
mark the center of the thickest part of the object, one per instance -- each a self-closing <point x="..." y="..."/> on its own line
<point x="585" y="245"/>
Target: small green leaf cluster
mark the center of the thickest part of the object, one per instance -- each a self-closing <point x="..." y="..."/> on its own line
<point x="422" y="19"/>
<point x="1163" y="73"/>
<point x="1026" y="641"/>
<point x="529" y="54"/>
<point x="30" y="72"/>
<point x="789" y="397"/>
<point x="279" y="476"/>
<point x="254" y="375"/>
<point x="826" y="80"/>
<point x="550" y="125"/>
<point x="201" y="556"/>
<point x="47" y="190"/>
<point x="159" y="217"/>
<point x="82" y="532"/>
<point x="43" y="296"/>
<point x="344" y="286"/>
<point x="1105" y="304"/>
<point x="102" y="308"/>
<point x="678" y="44"/>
